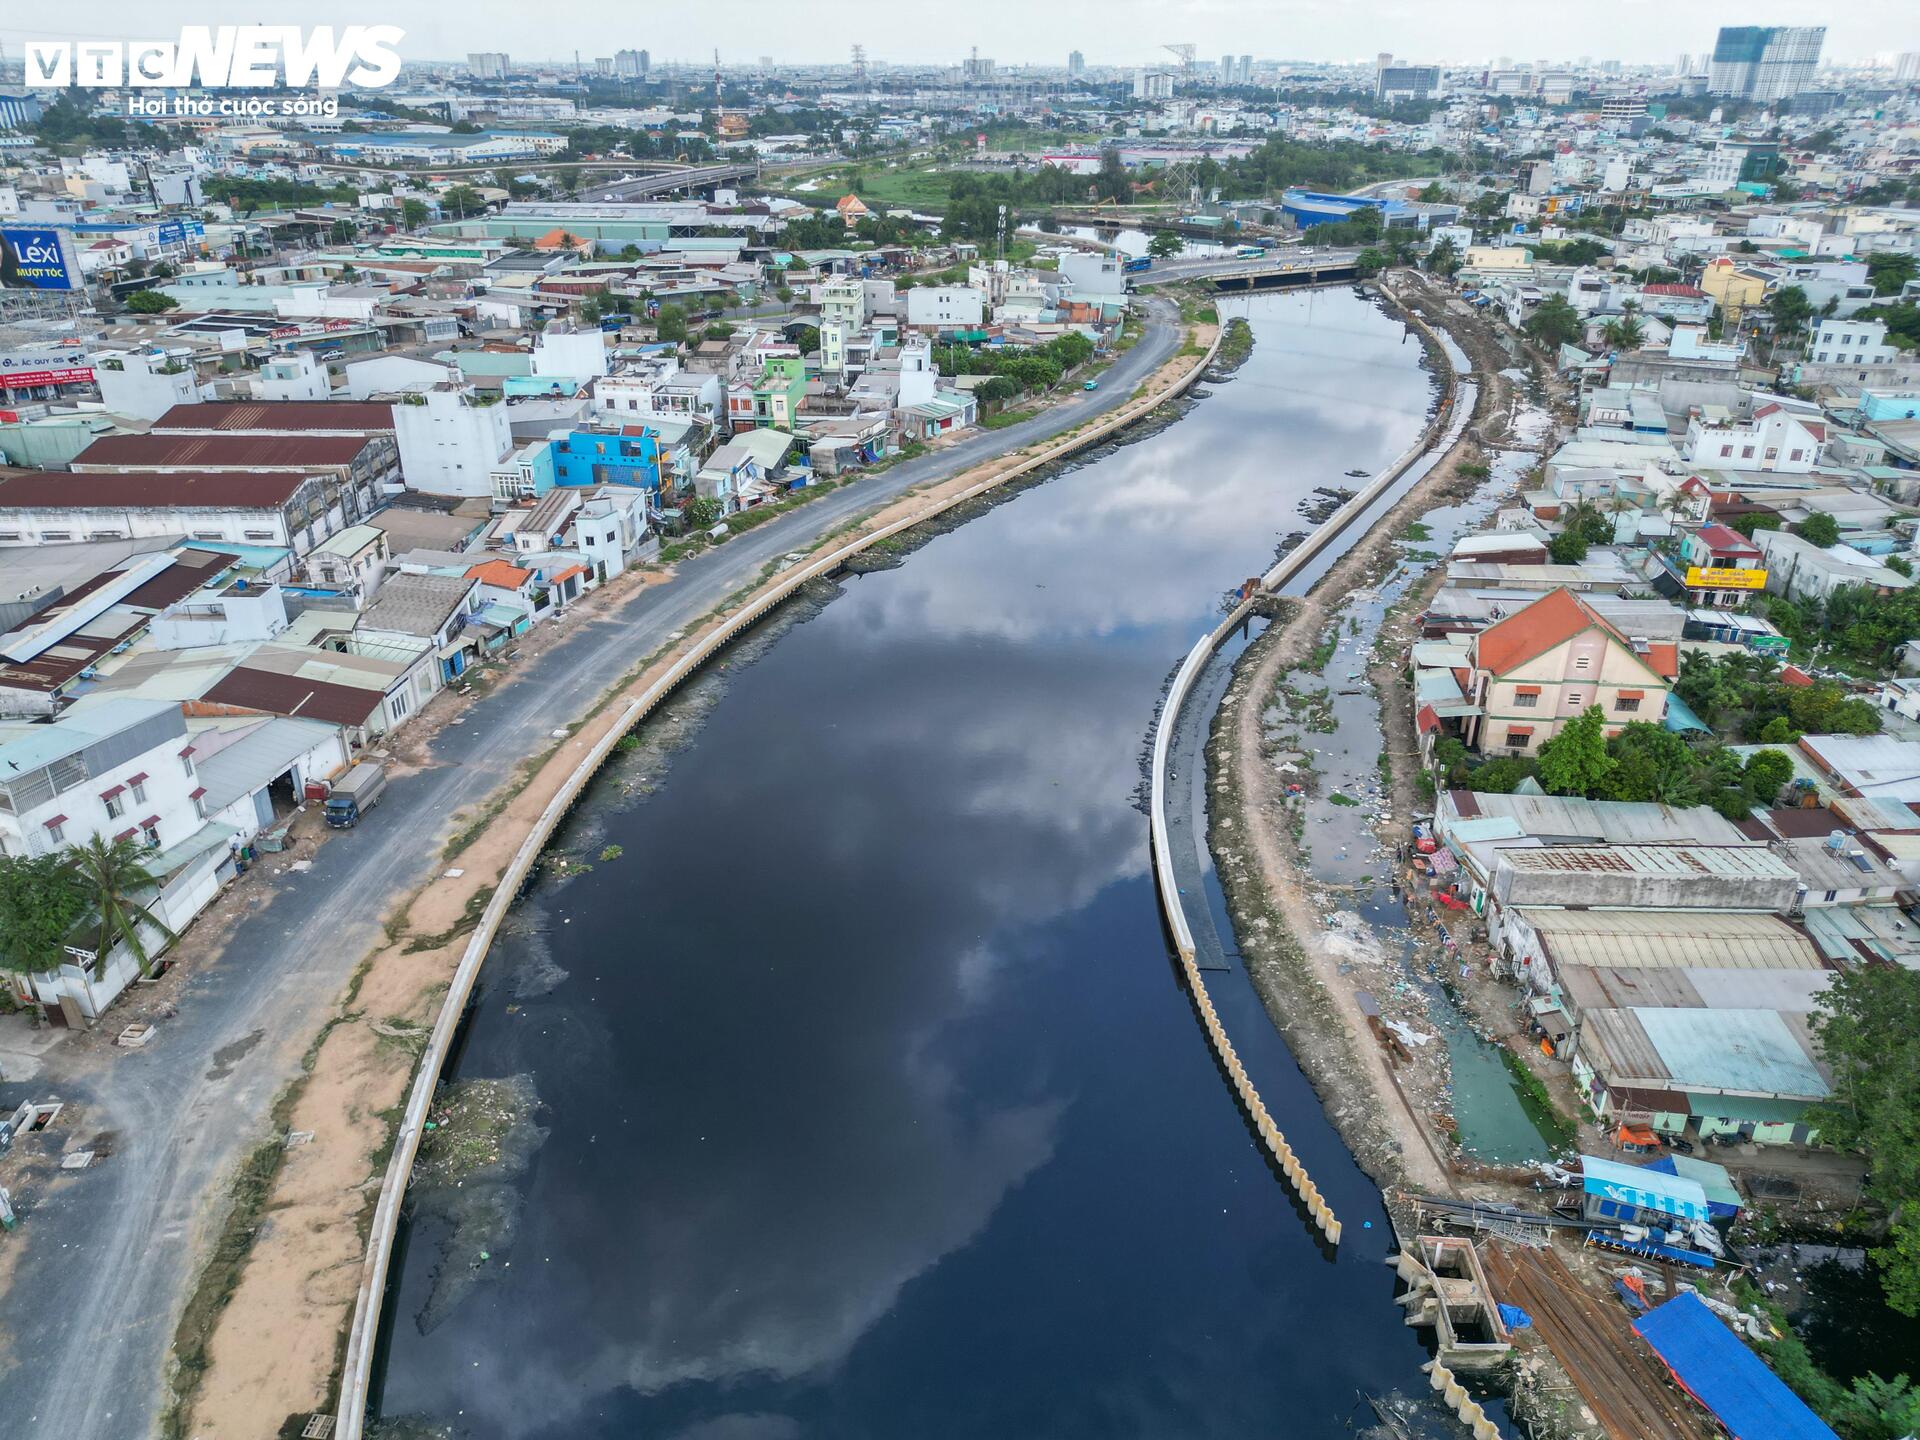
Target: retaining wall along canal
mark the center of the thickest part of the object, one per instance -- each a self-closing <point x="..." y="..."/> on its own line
<point x="1165" y="881"/>
<point x="363" y="1334"/>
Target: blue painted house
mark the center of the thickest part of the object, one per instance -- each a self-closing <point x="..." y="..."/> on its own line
<point x="622" y="455"/>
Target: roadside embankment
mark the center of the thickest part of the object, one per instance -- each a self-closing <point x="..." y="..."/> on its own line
<point x="317" y="1268"/>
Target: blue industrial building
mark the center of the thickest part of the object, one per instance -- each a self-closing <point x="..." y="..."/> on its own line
<point x="1310" y="207"/>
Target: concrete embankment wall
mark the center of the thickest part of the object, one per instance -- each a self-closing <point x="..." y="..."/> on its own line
<point x="1183" y="681"/>
<point x="363" y="1335"/>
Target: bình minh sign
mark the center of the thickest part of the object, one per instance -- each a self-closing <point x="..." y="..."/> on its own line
<point x="1701" y="578"/>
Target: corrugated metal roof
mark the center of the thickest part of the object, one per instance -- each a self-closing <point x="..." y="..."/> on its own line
<point x="1705" y="939"/>
<point x="1618" y="822"/>
<point x="262" y="753"/>
<point x="1791" y="992"/>
<point x="1617" y="1047"/>
<point x="1738" y="1052"/>
<point x="1607" y="987"/>
<point x="1743" y="861"/>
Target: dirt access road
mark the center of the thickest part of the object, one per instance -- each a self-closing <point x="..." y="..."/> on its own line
<point x="103" y="1260"/>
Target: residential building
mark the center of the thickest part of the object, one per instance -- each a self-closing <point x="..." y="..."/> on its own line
<point x="282" y="509"/>
<point x="960" y="307"/>
<point x="1776" y="439"/>
<point x="1547" y="663"/>
<point x="143" y="386"/>
<point x="1799" y="569"/>
<point x="451" y="437"/>
<point x="122" y="769"/>
<point x="1851" y="342"/>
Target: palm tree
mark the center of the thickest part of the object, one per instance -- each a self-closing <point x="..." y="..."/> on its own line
<point x="115" y="876"/>
<point x="1623" y="334"/>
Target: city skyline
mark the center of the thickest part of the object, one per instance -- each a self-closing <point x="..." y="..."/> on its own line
<point x="1289" y="30"/>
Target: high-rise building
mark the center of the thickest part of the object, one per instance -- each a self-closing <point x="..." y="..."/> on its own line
<point x="1153" y="85"/>
<point x="1407" y="82"/>
<point x="1765" y="62"/>
<point x="1076" y="62"/>
<point x="1683" y="66"/>
<point x="1246" y="69"/>
<point x="488" y="65"/>
<point x="1226" y="69"/>
<point x="1907" y="68"/>
<point x="630" y="64"/>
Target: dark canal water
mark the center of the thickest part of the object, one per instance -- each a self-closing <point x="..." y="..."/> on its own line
<point x="873" y="1107"/>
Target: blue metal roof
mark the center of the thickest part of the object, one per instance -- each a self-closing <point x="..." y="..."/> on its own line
<point x="1643" y="1189"/>
<point x="1714" y="1367"/>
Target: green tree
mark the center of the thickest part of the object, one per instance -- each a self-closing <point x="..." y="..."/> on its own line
<point x="1569" y="547"/>
<point x="671" y="323"/>
<point x="1868" y="1028"/>
<point x="462" y="201"/>
<point x="1890" y="271"/>
<point x="1164" y="243"/>
<point x="1819" y="528"/>
<point x="1444" y="259"/>
<point x="413" y="213"/>
<point x="41" y="900"/>
<point x="151" y="302"/>
<point x="1626" y="334"/>
<point x="997" y="390"/>
<point x="1554" y="322"/>
<point x="702" y="512"/>
<point x="1651" y="764"/>
<point x="1790" y="309"/>
<point x="1575" y="762"/>
<point x="1768" y="772"/>
<point x="113" y="874"/>
<point x="721" y="330"/>
<point x="1370" y="262"/>
<point x="808" y="339"/>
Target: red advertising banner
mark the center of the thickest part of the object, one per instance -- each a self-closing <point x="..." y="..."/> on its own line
<point x="21" y="379"/>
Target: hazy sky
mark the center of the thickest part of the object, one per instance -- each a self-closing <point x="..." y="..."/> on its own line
<point x="1110" y="32"/>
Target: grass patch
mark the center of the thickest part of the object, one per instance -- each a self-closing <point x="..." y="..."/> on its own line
<point x="469" y="918"/>
<point x="1418" y="530"/>
<point x="1336" y="798"/>
<point x="1538" y="1104"/>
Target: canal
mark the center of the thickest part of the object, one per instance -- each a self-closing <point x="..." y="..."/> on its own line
<point x="868" y="1102"/>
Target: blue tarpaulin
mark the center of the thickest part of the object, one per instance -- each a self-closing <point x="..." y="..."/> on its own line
<point x="1515" y="1318"/>
<point x="1714" y="1367"/>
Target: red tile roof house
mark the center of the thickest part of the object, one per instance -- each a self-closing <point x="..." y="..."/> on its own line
<point x="1541" y="666"/>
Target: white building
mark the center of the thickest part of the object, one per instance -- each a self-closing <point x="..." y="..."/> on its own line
<point x="143" y="386"/>
<point x="296" y="375"/>
<point x="120" y="768"/>
<point x="570" y="351"/>
<point x="1094" y="273"/>
<point x="937" y="305"/>
<point x="1775" y="439"/>
<point x="451" y="440"/>
<point x="1851" y="342"/>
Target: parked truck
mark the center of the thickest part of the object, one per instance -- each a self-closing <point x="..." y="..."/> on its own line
<point x="356" y="794"/>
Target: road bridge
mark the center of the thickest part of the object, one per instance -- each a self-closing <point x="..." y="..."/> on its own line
<point x="1278" y="269"/>
<point x="670" y="182"/>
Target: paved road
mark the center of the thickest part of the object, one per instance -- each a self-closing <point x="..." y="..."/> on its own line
<point x="88" y="1320"/>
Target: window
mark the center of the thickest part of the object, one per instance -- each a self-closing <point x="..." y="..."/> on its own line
<point x="138" y="785"/>
<point x="1573" y="697"/>
<point x="53" y="536"/>
<point x="1795" y="454"/>
<point x="150" y="835"/>
<point x="1583" y="662"/>
<point x="199" y="799"/>
<point x="1626" y="706"/>
<point x="1832" y="895"/>
<point x="1518" y="736"/>
<point x="186" y="761"/>
<point x="1746" y="452"/>
<point x="1726" y="452"/>
<point x="1527" y="700"/>
<point x="57" y="830"/>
